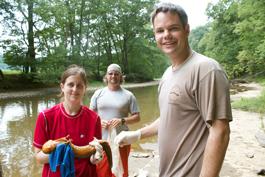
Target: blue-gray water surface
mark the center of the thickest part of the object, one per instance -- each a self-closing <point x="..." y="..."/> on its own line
<point x="17" y="123"/>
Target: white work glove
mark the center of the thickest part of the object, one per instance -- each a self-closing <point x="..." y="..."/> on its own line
<point x="98" y="156"/>
<point x="127" y="137"/>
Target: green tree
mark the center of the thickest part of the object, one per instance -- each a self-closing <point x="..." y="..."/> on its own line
<point x="251" y="30"/>
<point x="89" y="33"/>
<point x="221" y="42"/>
<point x="196" y="36"/>
<point x="21" y="28"/>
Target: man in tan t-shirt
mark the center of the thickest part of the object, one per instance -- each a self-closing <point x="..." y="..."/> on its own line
<point x="194" y="102"/>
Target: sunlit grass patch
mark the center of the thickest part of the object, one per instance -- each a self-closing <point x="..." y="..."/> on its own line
<point x="11" y="72"/>
<point x="95" y="83"/>
<point x="261" y="81"/>
<point x="251" y="104"/>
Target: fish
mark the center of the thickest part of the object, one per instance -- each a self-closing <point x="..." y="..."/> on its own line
<point x="79" y="151"/>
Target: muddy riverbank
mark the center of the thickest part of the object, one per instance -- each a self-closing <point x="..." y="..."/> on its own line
<point x="55" y="90"/>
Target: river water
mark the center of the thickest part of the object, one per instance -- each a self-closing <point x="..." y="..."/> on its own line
<point x="17" y="123"/>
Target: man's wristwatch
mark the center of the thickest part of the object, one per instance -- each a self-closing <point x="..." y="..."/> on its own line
<point x="122" y="121"/>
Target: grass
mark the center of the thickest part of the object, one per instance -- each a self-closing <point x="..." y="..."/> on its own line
<point x="15" y="80"/>
<point x="261" y="81"/>
<point x="11" y="72"/>
<point x="95" y="83"/>
<point x="253" y="104"/>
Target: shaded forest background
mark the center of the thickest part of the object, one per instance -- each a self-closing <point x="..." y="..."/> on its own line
<point x="44" y="37"/>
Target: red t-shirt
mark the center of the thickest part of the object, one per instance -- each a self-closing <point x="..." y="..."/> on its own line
<point x="55" y="123"/>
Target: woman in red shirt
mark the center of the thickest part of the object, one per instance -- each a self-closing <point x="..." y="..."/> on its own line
<point x="69" y="118"/>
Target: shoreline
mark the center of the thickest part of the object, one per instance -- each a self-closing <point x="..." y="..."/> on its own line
<point x="55" y="90"/>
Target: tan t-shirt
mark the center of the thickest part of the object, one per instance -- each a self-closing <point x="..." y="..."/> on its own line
<point x="190" y="97"/>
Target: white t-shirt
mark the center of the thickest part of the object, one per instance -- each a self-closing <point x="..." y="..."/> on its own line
<point x="113" y="104"/>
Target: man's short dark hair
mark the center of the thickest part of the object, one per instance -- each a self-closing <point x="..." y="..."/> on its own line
<point x="172" y="8"/>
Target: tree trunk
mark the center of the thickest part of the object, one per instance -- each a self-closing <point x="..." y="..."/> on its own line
<point x="71" y="22"/>
<point x="80" y="28"/>
<point x="31" y="48"/>
<point x="125" y="56"/>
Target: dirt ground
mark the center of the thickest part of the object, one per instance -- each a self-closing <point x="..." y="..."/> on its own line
<point x="245" y="155"/>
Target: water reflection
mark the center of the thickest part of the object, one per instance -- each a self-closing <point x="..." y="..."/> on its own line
<point x="17" y="123"/>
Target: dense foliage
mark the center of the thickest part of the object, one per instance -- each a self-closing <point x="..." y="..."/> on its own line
<point x="46" y="36"/>
<point x="235" y="36"/>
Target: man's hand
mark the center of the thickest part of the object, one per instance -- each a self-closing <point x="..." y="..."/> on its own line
<point x="98" y="156"/>
<point x="113" y="123"/>
<point x="104" y="124"/>
<point x="127" y="137"/>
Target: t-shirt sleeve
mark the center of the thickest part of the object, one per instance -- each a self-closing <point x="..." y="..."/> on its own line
<point x="40" y="133"/>
<point x="214" y="97"/>
<point x="98" y="132"/>
<point x="133" y="105"/>
<point x="93" y="102"/>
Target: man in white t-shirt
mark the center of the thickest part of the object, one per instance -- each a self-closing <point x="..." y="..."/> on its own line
<point x="194" y="102"/>
<point x="117" y="107"/>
